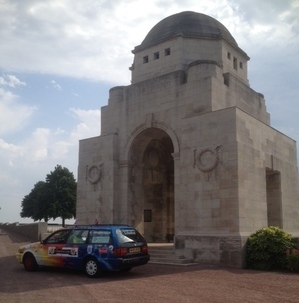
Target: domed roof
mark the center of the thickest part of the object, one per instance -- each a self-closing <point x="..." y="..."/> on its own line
<point x="187" y="24"/>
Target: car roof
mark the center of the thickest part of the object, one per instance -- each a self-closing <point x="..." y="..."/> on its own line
<point x="100" y="226"/>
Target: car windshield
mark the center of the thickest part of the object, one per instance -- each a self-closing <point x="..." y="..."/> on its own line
<point x="128" y="235"/>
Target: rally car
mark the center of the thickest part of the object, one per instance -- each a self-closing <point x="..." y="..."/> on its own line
<point x="92" y="248"/>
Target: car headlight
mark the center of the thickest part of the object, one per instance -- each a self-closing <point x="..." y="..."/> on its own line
<point x="21" y="250"/>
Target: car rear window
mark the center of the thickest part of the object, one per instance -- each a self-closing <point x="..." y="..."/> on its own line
<point x="127" y="235"/>
<point x="100" y="237"/>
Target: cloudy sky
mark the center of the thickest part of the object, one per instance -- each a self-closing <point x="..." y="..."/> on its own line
<point x="59" y="58"/>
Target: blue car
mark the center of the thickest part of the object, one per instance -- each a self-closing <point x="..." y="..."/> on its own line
<point x="93" y="248"/>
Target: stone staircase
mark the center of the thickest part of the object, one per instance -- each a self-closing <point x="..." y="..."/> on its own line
<point x="163" y="253"/>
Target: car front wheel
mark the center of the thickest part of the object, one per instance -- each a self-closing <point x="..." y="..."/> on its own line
<point x="30" y="262"/>
<point x="92" y="268"/>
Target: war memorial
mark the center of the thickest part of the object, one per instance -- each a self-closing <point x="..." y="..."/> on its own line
<point x="187" y="153"/>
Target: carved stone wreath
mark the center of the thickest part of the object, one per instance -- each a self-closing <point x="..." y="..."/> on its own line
<point x="207" y="160"/>
<point x="94" y="173"/>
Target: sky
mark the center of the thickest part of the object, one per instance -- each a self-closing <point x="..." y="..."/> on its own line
<point x="59" y="58"/>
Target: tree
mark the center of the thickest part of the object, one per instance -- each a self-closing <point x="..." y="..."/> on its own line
<point x="62" y="193"/>
<point x="52" y="199"/>
<point x="36" y="205"/>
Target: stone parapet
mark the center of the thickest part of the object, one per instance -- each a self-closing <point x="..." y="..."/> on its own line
<point x="33" y="231"/>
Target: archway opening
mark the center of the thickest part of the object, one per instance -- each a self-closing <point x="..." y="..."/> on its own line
<point x="151" y="185"/>
<point x="274" y="203"/>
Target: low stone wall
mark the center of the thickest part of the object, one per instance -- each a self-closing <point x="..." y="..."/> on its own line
<point x="33" y="231"/>
<point x="212" y="249"/>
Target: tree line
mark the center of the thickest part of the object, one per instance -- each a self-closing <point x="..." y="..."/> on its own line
<point x="53" y="198"/>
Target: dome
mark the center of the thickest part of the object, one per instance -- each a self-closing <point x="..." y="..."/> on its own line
<point x="189" y="25"/>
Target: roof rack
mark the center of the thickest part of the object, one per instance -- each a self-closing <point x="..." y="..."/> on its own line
<point x="96" y="225"/>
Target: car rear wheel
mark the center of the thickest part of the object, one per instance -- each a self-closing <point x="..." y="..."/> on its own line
<point x="92" y="268"/>
<point x="30" y="262"/>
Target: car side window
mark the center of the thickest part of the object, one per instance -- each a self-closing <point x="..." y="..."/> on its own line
<point x="58" y="237"/>
<point x="100" y="237"/>
<point x="77" y="237"/>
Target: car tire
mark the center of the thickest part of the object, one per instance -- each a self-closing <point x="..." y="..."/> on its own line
<point x="29" y="262"/>
<point x="92" y="268"/>
<point x="126" y="269"/>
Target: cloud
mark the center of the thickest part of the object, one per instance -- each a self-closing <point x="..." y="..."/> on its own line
<point x="45" y="145"/>
<point x="89" y="124"/>
<point x="38" y="145"/>
<point x="14" y="116"/>
<point x="11" y="81"/>
<point x="90" y="39"/>
<point x="32" y="158"/>
<point x="56" y="85"/>
<point x="267" y="23"/>
<point x="10" y="149"/>
<point x="94" y="39"/>
<point x="26" y="153"/>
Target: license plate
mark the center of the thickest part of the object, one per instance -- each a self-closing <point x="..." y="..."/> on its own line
<point x="134" y="250"/>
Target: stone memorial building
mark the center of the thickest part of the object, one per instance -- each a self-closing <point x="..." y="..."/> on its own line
<point x="186" y="152"/>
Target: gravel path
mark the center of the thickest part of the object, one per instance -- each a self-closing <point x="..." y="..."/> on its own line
<point x="149" y="283"/>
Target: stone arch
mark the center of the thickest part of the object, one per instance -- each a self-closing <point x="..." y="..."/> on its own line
<point x="151" y="183"/>
<point x="158" y="125"/>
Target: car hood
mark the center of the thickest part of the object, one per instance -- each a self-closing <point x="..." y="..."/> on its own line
<point x="30" y="246"/>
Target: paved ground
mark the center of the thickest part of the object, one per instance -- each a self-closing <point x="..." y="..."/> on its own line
<point x="149" y="283"/>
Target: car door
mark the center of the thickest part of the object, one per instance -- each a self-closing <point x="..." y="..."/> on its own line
<point x="76" y="247"/>
<point x="101" y="245"/>
<point x="52" y="251"/>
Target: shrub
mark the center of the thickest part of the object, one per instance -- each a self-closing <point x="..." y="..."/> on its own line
<point x="266" y="248"/>
<point x="292" y="262"/>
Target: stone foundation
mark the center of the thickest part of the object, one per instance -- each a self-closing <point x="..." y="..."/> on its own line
<point x="228" y="250"/>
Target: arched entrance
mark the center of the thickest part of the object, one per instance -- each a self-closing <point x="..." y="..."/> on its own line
<point x="151" y="185"/>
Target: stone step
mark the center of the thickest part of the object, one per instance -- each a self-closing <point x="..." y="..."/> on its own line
<point x="171" y="261"/>
<point x="165" y="254"/>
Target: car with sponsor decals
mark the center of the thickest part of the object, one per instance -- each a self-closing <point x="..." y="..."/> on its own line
<point x="92" y="248"/>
